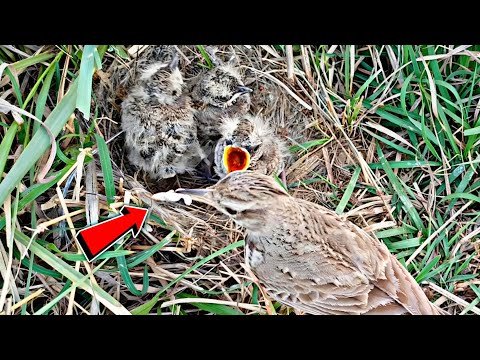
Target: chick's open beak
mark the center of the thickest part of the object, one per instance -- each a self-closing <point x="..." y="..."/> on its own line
<point x="235" y="158"/>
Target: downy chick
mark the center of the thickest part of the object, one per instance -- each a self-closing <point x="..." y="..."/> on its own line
<point x="159" y="124"/>
<point x="218" y="92"/>
<point x="249" y="142"/>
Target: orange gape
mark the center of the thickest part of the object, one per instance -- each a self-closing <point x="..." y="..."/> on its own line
<point x="235" y="158"/>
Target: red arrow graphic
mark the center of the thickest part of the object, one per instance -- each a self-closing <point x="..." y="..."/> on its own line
<point x="97" y="238"/>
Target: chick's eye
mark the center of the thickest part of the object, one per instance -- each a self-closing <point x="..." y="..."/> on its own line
<point x="251" y="148"/>
<point x="228" y="142"/>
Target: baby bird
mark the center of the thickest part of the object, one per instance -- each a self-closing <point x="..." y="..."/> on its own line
<point x="218" y="92"/>
<point x="159" y="124"/>
<point x="249" y="142"/>
<point x="309" y="258"/>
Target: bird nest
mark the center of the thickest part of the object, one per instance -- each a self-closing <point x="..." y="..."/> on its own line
<point x="277" y="96"/>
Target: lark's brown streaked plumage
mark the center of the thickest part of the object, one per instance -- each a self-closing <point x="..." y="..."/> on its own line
<point x="218" y="92"/>
<point x="254" y="134"/>
<point x="309" y="258"/>
<point x="158" y="119"/>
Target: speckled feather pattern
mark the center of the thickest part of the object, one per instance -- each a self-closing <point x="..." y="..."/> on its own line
<point x="308" y="257"/>
<point x="214" y="96"/>
<point x="268" y="152"/>
<point x="159" y="124"/>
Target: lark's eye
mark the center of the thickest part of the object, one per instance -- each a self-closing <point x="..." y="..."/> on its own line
<point x="228" y="142"/>
<point x="230" y="211"/>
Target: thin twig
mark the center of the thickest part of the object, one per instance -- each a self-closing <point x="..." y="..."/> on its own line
<point x="289" y="52"/>
<point x="453" y="297"/>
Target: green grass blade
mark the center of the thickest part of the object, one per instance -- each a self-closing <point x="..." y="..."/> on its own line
<point x="80" y="257"/>
<point x="84" y="95"/>
<point x="39" y="143"/>
<point x="35" y="191"/>
<point x="463" y="184"/>
<point x="405" y="244"/>
<point x="42" y="99"/>
<point x="404" y="229"/>
<point x="106" y="255"/>
<point x="366" y="84"/>
<point x="48" y="72"/>
<point x="412" y="53"/>
<point x="412" y="125"/>
<point x="347" y="70"/>
<point x="475" y="289"/>
<point x="405" y="164"/>
<point x="6" y="145"/>
<point x="120" y="51"/>
<point x="465" y="264"/>
<point x="399" y="189"/>
<point x="60" y="155"/>
<point x="35" y="267"/>
<point x="441" y="268"/>
<point x="448" y="131"/>
<point x="145" y="254"/>
<point x="422" y="275"/>
<point x="255" y="294"/>
<point x="16" y="87"/>
<point x="472" y="140"/>
<point x="145" y="308"/>
<point x="106" y="163"/>
<point x="457" y="171"/>
<point x="279" y="182"/>
<point x="403" y="93"/>
<point x="44" y="310"/>
<point x="66" y="290"/>
<point x="456" y="196"/>
<point x="205" y="56"/>
<point x="122" y="265"/>
<point x="390" y="143"/>
<point x="348" y="191"/>
<point x="445" y="85"/>
<point x="472" y="131"/>
<point x="28" y="283"/>
<point x="216" y="309"/>
<point x="73" y="275"/>
<point x="308" y="144"/>
<point x="159" y="221"/>
<point x="465" y="277"/>
<point x="31" y="60"/>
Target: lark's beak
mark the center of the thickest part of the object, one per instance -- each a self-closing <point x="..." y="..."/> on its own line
<point x="200" y="195"/>
<point x="235" y="158"/>
<point x="244" y="89"/>
<point x="196" y="192"/>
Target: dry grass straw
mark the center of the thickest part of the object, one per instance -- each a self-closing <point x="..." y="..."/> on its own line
<point x="288" y="104"/>
<point x="305" y="103"/>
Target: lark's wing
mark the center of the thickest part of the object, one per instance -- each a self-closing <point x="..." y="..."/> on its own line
<point x="333" y="267"/>
<point x="397" y="283"/>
